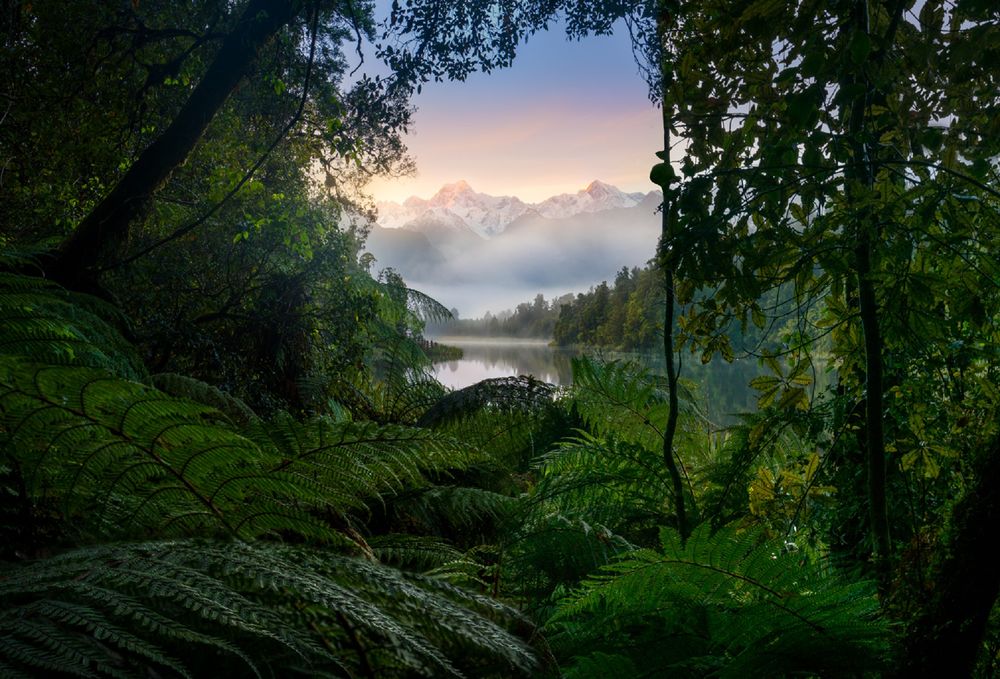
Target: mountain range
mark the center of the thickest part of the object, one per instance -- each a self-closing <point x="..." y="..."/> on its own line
<point x="478" y="252"/>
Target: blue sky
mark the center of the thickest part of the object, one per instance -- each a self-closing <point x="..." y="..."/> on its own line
<point x="566" y="113"/>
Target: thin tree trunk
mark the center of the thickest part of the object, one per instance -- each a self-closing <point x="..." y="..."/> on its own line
<point x="878" y="506"/>
<point x="860" y="170"/>
<point x="107" y="228"/>
<point x="664" y="22"/>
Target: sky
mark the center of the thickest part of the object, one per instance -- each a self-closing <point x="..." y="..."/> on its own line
<point x="566" y="113"/>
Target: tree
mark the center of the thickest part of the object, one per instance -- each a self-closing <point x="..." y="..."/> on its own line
<point x="168" y="75"/>
<point x="824" y="155"/>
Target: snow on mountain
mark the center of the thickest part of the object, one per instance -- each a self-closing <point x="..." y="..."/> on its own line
<point x="393" y="215"/>
<point x="488" y="216"/>
<point x="460" y="242"/>
<point x="597" y="197"/>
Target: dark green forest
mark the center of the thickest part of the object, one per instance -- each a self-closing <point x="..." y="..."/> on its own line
<point x="626" y="315"/>
<point x="221" y="449"/>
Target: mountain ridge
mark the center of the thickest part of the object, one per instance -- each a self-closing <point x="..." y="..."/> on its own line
<point x="488" y="216"/>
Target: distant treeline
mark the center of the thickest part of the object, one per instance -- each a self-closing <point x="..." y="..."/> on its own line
<point x="536" y="319"/>
<point x="626" y="315"/>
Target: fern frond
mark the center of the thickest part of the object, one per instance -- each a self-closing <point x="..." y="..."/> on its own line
<point x="425" y="307"/>
<point x="625" y="399"/>
<point x="511" y="419"/>
<point x="356" y="462"/>
<point x="183" y="386"/>
<point x="119" y="458"/>
<point x="195" y="609"/>
<point x="605" y="480"/>
<point x="454" y="510"/>
<point x="399" y="387"/>
<point x="552" y="550"/>
<point x="42" y="322"/>
<point x="756" y="609"/>
<point x="413" y="552"/>
<point x="500" y="394"/>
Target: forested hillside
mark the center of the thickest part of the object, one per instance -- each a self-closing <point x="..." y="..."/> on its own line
<point x="221" y="450"/>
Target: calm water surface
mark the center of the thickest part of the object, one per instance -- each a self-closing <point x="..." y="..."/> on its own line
<point x="720" y="387"/>
<point x="487" y="357"/>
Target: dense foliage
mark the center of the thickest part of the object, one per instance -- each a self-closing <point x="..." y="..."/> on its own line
<point x="625" y="315"/>
<point x="220" y="452"/>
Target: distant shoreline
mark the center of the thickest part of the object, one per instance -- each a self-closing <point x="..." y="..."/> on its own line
<point x="486" y="339"/>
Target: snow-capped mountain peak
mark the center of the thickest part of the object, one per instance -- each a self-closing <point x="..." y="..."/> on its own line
<point x="596" y="197"/>
<point x="599" y="189"/>
<point x="449" y="194"/>
<point x="485" y="215"/>
<point x="488" y="215"/>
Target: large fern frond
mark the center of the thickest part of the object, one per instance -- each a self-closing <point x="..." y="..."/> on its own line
<point x="355" y="463"/>
<point x="625" y="399"/>
<point x="201" y="609"/>
<point x="117" y="458"/>
<point x="42" y="322"/>
<point x="511" y="419"/>
<point x="605" y="480"/>
<point x="552" y="551"/>
<point x="183" y="386"/>
<point x="398" y="388"/>
<point x="727" y="605"/>
<point x="500" y="394"/>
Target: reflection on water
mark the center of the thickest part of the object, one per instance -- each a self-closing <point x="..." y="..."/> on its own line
<point x="720" y="388"/>
<point x="484" y="358"/>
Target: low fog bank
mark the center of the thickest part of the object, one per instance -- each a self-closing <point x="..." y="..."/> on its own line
<point x="533" y="255"/>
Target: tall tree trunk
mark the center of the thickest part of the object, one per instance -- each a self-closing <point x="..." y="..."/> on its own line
<point x="664" y="21"/>
<point x="107" y="228"/>
<point x="945" y="641"/>
<point x="860" y="171"/>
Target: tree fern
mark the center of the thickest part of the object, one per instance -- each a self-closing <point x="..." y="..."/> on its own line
<point x="726" y="605"/>
<point x="355" y="463"/>
<point x="119" y="458"/>
<point x="42" y="322"/>
<point x="605" y="480"/>
<point x="551" y="551"/>
<point x="504" y="394"/>
<point x="511" y="419"/>
<point x="88" y="453"/>
<point x="143" y="609"/>
<point x="453" y="510"/>
<point x="398" y="388"/>
<point x="620" y="397"/>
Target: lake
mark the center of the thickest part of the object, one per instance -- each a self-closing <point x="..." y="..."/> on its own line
<point x="488" y="357"/>
<point x="721" y="387"/>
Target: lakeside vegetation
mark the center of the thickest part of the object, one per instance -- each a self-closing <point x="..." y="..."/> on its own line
<point x="221" y="450"/>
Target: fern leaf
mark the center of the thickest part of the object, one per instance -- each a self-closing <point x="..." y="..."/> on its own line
<point x="121" y="610"/>
<point x="187" y="387"/>
<point x="757" y="610"/>
<point x="119" y="458"/>
<point x="42" y="322"/>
